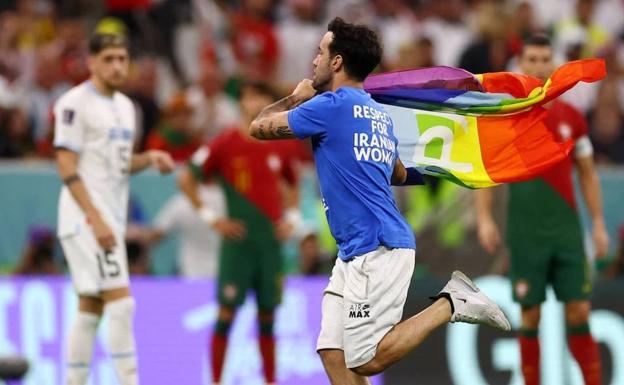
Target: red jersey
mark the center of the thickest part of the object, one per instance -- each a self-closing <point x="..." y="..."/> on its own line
<point x="565" y="122"/>
<point x="178" y="146"/>
<point x="253" y="168"/>
<point x="254" y="43"/>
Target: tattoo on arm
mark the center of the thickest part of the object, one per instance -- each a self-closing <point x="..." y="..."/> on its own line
<point x="274" y="132"/>
<point x="281" y="105"/>
<point x="271" y="124"/>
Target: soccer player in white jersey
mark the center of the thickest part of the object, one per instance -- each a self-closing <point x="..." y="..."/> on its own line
<point x="94" y="132"/>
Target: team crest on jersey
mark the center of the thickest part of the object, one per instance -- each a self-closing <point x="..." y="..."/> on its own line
<point x="565" y="131"/>
<point x="522" y="288"/>
<point x="68" y="116"/>
<point x="274" y="163"/>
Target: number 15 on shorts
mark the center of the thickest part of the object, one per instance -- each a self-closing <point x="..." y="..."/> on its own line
<point x="108" y="266"/>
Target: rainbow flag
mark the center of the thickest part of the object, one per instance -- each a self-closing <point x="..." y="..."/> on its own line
<point x="477" y="130"/>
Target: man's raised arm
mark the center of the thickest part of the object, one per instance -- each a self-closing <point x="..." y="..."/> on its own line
<point x="272" y="122"/>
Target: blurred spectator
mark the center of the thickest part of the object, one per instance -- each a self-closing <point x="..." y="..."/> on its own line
<point x="521" y="25"/>
<point x="199" y="242"/>
<point x="418" y="54"/>
<point x="38" y="257"/>
<point x="73" y="50"/>
<point x="490" y="52"/>
<point x="141" y="88"/>
<point x="582" y="29"/>
<point x="174" y="133"/>
<point x="609" y="15"/>
<point x="312" y="259"/>
<point x="165" y="17"/>
<point x="447" y="31"/>
<point x="606" y="119"/>
<point x="607" y="125"/>
<point x="213" y="19"/>
<point x="16" y="65"/>
<point x="48" y="86"/>
<point x="36" y="26"/>
<point x="549" y="12"/>
<point x="353" y="11"/>
<point x="396" y="25"/>
<point x="253" y="40"/>
<point x="15" y="138"/>
<point x="133" y="15"/>
<point x="213" y="109"/>
<point x="616" y="269"/>
<point x="298" y="37"/>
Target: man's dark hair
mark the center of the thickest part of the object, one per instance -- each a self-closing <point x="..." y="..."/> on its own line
<point x="101" y="41"/>
<point x="536" y="40"/>
<point x="358" y="45"/>
<point x="260" y="87"/>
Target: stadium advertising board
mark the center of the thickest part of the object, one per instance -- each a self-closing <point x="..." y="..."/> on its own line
<point x="173" y="321"/>
<point x="462" y="354"/>
<point x="174" y="318"/>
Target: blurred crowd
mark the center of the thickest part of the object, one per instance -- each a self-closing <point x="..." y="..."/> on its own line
<point x="190" y="56"/>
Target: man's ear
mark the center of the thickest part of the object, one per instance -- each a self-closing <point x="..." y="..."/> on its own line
<point x="336" y="63"/>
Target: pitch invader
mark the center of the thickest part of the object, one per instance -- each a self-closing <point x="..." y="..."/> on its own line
<point x="361" y="329"/>
<point x="94" y="133"/>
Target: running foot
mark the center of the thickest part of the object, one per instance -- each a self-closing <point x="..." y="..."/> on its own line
<point x="470" y="305"/>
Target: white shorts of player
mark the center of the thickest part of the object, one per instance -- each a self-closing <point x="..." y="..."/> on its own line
<point x="93" y="270"/>
<point x="363" y="301"/>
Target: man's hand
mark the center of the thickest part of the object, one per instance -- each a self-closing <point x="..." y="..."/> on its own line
<point x="283" y="230"/>
<point x="103" y="233"/>
<point x="304" y="91"/>
<point x="489" y="236"/>
<point x="289" y="224"/>
<point x="230" y="228"/>
<point x="601" y="239"/>
<point x="161" y="160"/>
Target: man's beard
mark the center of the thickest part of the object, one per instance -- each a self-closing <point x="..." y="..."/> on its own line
<point x="322" y="84"/>
<point x="113" y="85"/>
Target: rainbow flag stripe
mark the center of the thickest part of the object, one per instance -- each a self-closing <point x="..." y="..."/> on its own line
<point x="477" y="130"/>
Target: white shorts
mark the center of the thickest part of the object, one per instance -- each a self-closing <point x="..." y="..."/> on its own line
<point x="364" y="301"/>
<point x="93" y="270"/>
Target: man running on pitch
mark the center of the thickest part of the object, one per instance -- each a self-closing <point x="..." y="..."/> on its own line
<point x="356" y="159"/>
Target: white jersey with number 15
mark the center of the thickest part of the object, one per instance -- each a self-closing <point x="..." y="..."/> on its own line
<point x="101" y="130"/>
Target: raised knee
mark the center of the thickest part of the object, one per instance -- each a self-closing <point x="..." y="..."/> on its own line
<point x="329" y="356"/>
<point x="369" y="369"/>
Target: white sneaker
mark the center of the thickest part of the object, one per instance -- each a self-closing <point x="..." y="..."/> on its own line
<point x="470" y="305"/>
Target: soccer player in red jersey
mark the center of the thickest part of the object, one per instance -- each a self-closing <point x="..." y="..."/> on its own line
<point x="544" y="233"/>
<point x="256" y="178"/>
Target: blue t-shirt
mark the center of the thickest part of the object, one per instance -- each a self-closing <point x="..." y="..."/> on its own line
<point x="355" y="150"/>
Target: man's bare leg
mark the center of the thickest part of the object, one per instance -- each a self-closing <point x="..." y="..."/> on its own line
<point x="406" y="336"/>
<point x="459" y="301"/>
<point x="336" y="369"/>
